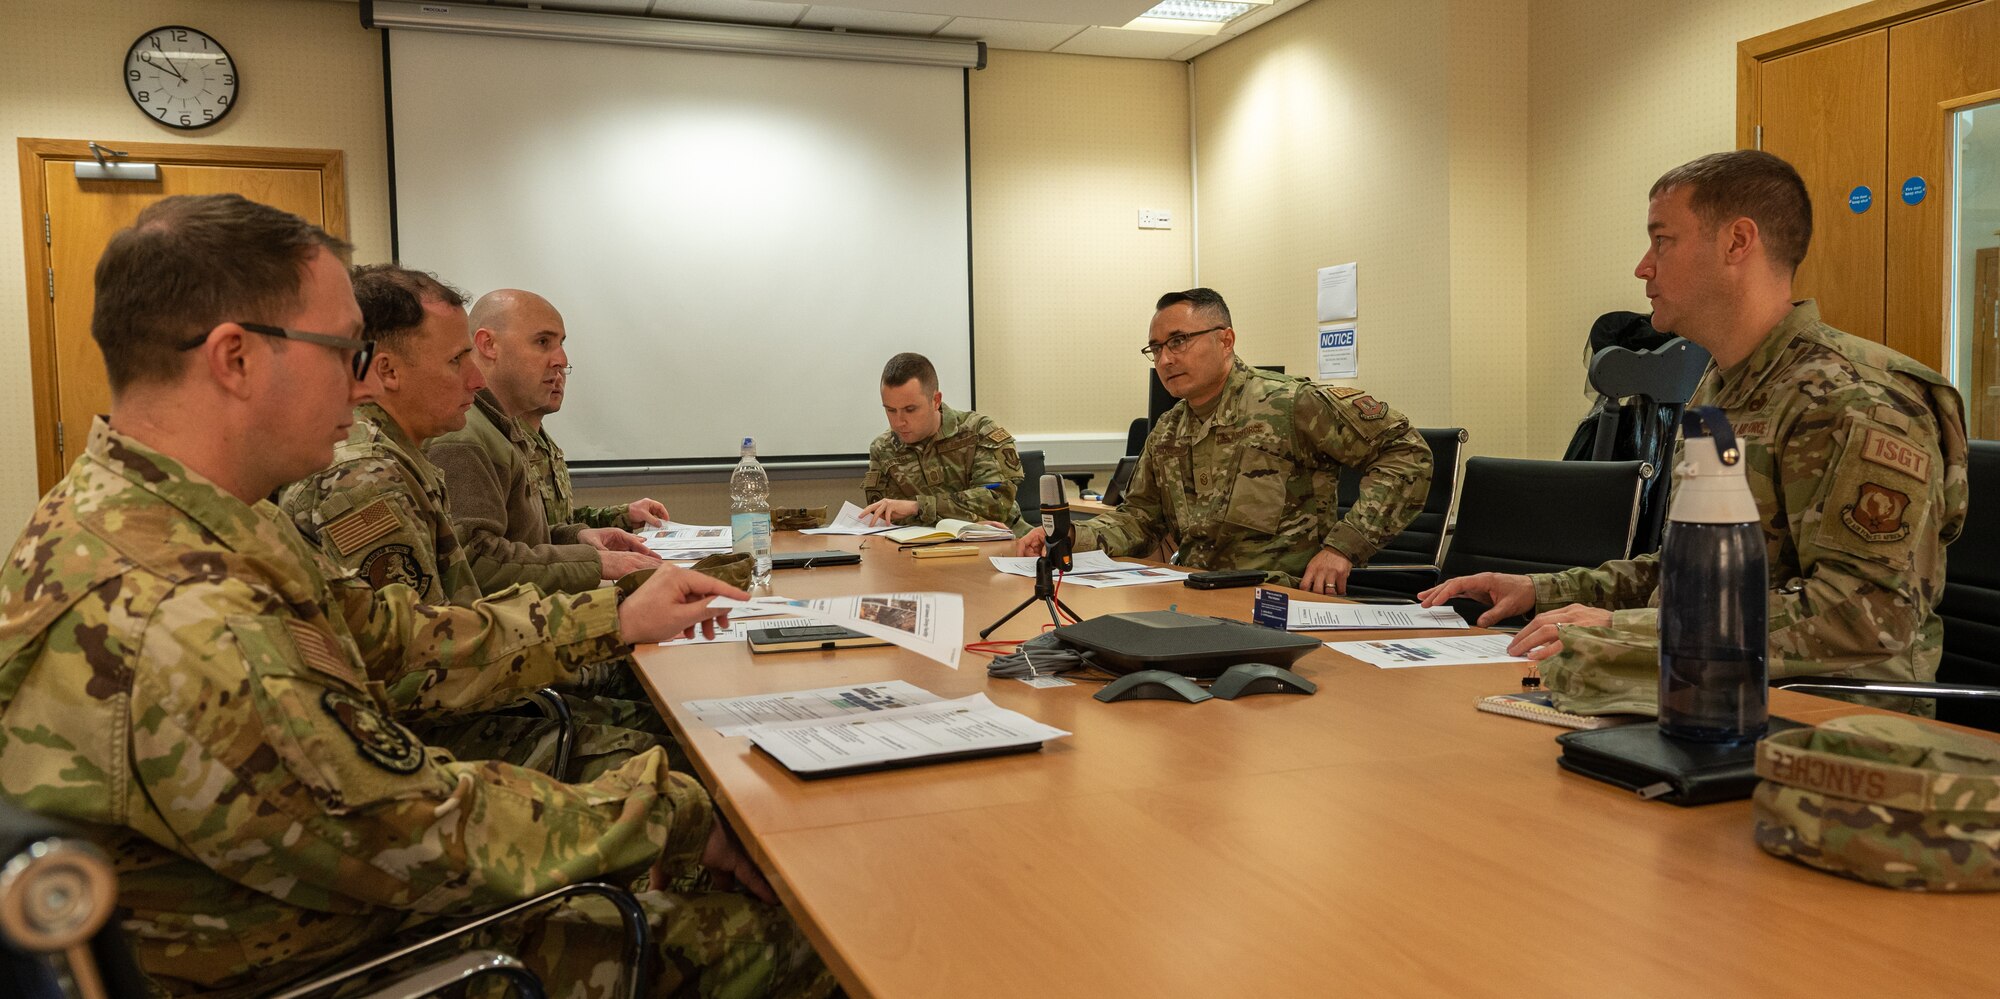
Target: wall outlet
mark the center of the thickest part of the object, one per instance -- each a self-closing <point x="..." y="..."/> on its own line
<point x="1155" y="218"/>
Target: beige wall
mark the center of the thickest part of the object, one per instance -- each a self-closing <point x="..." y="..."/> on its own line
<point x="312" y="77"/>
<point x="1065" y="151"/>
<point x="1619" y="94"/>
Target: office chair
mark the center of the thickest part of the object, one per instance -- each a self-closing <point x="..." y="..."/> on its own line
<point x="1641" y="394"/>
<point x="1968" y="677"/>
<point x="1029" y="492"/>
<point x="1421" y="543"/>
<point x="58" y="940"/>
<point x="1136" y="434"/>
<point x="1524" y="516"/>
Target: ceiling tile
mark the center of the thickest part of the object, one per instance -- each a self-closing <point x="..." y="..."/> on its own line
<point x="1048" y="11"/>
<point x="736" y="11"/>
<point x="1129" y="44"/>
<point x="1032" y="36"/>
<point x="886" y="22"/>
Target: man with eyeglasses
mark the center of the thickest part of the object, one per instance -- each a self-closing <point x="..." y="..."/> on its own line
<point x="1243" y="471"/>
<point x="179" y="678"/>
<point x="935" y="461"/>
<point x="496" y="493"/>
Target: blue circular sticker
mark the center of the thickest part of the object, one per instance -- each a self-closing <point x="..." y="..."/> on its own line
<point x="1860" y="198"/>
<point x="1914" y="190"/>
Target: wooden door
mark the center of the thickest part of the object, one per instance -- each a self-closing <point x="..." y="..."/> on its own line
<point x="70" y="221"/>
<point x="1983" y="395"/>
<point x="1933" y="61"/>
<point x="1825" y="111"/>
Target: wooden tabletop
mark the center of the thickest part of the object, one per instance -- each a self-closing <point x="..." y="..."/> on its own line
<point x="1378" y="838"/>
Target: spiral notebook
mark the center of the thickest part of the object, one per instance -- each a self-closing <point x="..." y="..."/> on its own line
<point x="1538" y="706"/>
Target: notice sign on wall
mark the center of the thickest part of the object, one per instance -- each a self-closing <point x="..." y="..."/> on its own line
<point x="1338" y="355"/>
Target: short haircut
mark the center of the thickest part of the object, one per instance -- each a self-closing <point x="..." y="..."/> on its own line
<point x="1202" y="299"/>
<point x="392" y="299"/>
<point x="1752" y="184"/>
<point x="188" y="264"/>
<point x="905" y="366"/>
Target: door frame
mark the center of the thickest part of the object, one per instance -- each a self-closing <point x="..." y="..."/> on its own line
<point x="37" y="154"/>
<point x="1855" y="20"/>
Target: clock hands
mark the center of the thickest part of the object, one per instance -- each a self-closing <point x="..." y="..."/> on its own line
<point x="171" y="68"/>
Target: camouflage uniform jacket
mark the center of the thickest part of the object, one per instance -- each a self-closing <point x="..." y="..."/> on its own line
<point x="496" y="507"/>
<point x="1253" y="484"/>
<point x="1857" y="458"/>
<point x="551" y="475"/>
<point x="380" y="510"/>
<point x="178" y="679"/>
<point x="948" y="472"/>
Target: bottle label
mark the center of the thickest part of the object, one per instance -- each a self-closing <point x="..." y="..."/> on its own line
<point x="750" y="532"/>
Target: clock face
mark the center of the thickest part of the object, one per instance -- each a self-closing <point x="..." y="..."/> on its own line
<point x="181" y="77"/>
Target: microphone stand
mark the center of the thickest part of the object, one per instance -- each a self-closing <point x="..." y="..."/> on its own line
<point x="1045" y="591"/>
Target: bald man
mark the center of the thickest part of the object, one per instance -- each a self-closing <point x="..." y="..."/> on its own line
<point x="495" y="492"/>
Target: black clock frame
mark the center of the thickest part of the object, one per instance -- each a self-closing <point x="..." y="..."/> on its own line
<point x="235" y="70"/>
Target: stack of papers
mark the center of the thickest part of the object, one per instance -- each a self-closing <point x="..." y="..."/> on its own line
<point x="1304" y="616"/>
<point x="1405" y="652"/>
<point x="896" y="737"/>
<point x="735" y="715"/>
<point x="1094" y="568"/>
<point x="849" y="521"/>
<point x="930" y="624"/>
<point x="687" y="542"/>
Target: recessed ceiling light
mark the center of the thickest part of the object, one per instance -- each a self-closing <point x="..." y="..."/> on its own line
<point x="1208" y="11"/>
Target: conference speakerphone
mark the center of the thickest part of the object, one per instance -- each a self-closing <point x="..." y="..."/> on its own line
<point x="1188" y="644"/>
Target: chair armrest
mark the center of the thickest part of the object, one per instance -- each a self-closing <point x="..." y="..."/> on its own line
<point x="1900" y="688"/>
<point x="556" y="708"/>
<point x="464" y="966"/>
<point x="638" y="939"/>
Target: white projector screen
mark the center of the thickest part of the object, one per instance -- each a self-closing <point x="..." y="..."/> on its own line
<point x="737" y="243"/>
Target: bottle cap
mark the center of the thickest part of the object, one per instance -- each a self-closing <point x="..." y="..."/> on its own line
<point x="1709" y="487"/>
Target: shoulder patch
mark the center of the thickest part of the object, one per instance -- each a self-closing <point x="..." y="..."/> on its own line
<point x="322" y="652"/>
<point x="395" y="564"/>
<point x="350" y="533"/>
<point x="999" y="436"/>
<point x="1877" y="514"/>
<point x="1370" y="407"/>
<point x="1889" y="451"/>
<point x="379" y="740"/>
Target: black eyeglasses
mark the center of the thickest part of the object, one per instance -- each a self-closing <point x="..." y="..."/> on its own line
<point x="1176" y="343"/>
<point x="361" y="352"/>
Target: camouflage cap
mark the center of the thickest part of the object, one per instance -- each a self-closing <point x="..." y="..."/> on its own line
<point x="1888" y="800"/>
<point x="734" y="568"/>
<point x="797" y="518"/>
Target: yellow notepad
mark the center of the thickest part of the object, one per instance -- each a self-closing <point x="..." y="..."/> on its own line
<point x="949" y="530"/>
<point x="945" y="551"/>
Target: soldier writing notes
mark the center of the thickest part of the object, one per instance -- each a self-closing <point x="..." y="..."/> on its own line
<point x="935" y="461"/>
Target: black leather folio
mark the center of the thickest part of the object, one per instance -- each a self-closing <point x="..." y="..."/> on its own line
<point x="1638" y="758"/>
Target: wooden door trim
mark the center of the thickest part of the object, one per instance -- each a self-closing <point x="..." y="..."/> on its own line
<point x="1972" y="100"/>
<point x="1856" y="20"/>
<point x="36" y="154"/>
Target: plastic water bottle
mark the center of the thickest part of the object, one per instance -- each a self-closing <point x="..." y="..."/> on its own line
<point x="1714" y="635"/>
<point x="750" y="512"/>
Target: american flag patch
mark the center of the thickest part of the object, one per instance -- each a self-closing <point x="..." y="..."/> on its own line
<point x="356" y="529"/>
<point x="322" y="652"/>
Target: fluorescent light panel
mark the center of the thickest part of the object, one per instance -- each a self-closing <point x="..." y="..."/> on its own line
<point x="1210" y="11"/>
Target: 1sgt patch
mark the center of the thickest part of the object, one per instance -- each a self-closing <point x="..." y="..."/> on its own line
<point x="1877" y="513"/>
<point x="380" y="741"/>
<point x="395" y="564"/>
<point x="1890" y="451"/>
<point x="1370" y="407"/>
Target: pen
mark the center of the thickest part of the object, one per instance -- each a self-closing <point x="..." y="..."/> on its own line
<point x="992" y="485"/>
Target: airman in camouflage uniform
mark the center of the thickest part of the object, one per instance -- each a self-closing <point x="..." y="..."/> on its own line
<point x="1856" y="456"/>
<point x="380" y="511"/>
<point x="179" y="680"/>
<point x="934" y="461"/>
<point x="1243" y="472"/>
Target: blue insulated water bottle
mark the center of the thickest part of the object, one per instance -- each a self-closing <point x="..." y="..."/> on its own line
<point x="1713" y="628"/>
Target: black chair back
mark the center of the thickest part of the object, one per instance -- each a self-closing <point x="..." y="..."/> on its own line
<point x="1422" y="541"/>
<point x="1121" y="479"/>
<point x="1136" y="434"/>
<point x="1522" y="515"/>
<point x="1658" y="383"/>
<point x="1971" y="604"/>
<point x="1029" y="493"/>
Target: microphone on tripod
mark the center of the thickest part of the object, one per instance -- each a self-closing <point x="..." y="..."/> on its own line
<point x="1060" y="533"/>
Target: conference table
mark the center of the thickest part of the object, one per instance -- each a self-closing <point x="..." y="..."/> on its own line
<point x="1380" y="837"/>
